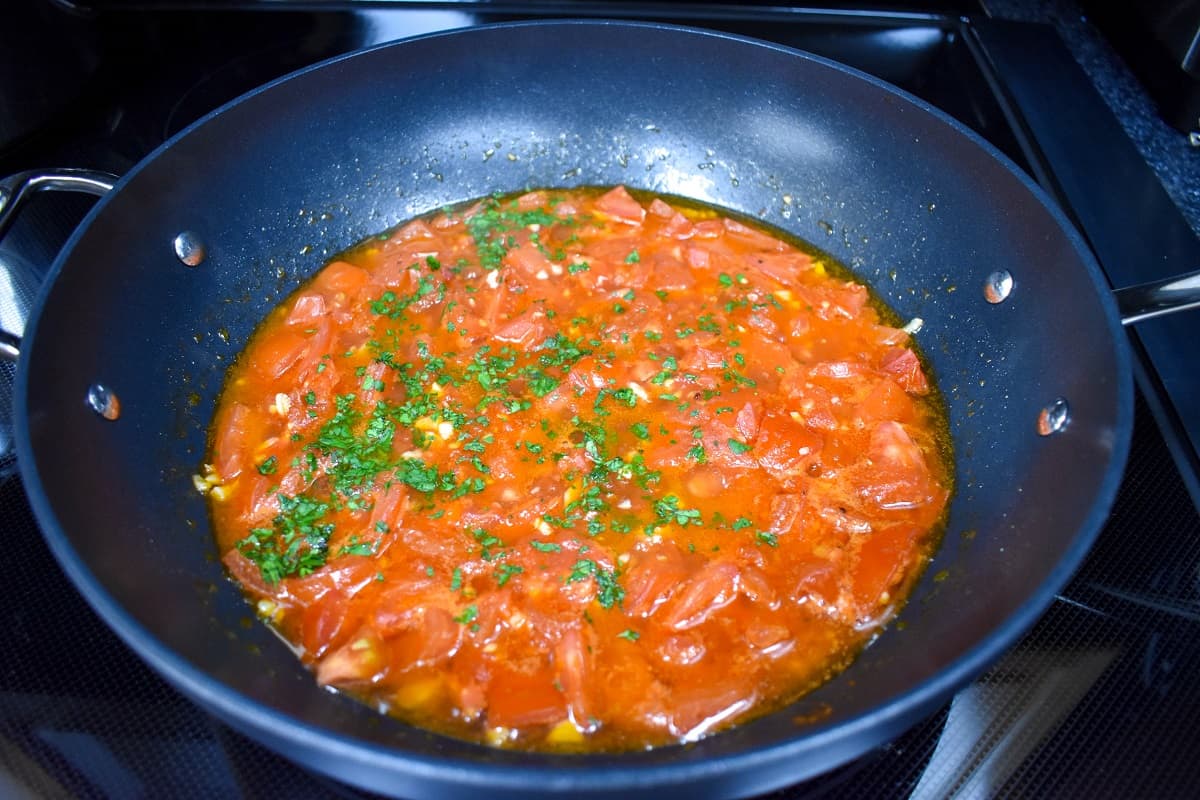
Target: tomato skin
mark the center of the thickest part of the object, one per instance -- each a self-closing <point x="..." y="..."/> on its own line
<point x="887" y="401"/>
<point x="235" y="429"/>
<point x="652" y="577"/>
<point x="883" y="558"/>
<point x="785" y="447"/>
<point x="574" y="674"/>
<point x="578" y="470"/>
<point x="324" y="624"/>
<point x="358" y="661"/>
<point x="706" y="592"/>
<point x="906" y="367"/>
<point x="246" y="573"/>
<point x="619" y="204"/>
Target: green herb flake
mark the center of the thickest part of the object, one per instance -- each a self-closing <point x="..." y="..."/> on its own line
<point x="469" y="614"/>
<point x="354" y="547"/>
<point x="295" y="544"/>
<point x="506" y="571"/>
<point x="608" y="591"/>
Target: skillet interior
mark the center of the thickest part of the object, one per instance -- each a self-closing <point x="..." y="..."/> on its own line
<point x="275" y="183"/>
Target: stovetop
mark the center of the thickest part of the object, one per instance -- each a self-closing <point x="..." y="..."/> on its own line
<point x="1099" y="699"/>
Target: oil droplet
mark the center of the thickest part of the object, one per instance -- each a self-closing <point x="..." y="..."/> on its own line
<point x="223" y="335"/>
<point x="816" y="715"/>
<point x="825" y="226"/>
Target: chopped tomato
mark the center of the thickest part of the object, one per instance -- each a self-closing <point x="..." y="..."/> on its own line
<point x="356" y="662"/>
<point x="619" y="204"/>
<point x="237" y="428"/>
<point x="708" y="591"/>
<point x="577" y="470"/>
<point x="906" y="367"/>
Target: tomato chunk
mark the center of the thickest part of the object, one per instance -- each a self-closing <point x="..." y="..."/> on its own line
<point x="577" y="470"/>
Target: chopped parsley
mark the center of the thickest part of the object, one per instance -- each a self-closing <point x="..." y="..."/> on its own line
<point x="297" y="542"/>
<point x="491" y="228"/>
<point x="506" y="571"/>
<point x="354" y="547"/>
<point x="667" y="510"/>
<point x="608" y="591"/>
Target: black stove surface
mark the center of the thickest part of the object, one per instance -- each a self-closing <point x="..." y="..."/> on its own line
<point x="1099" y="699"/>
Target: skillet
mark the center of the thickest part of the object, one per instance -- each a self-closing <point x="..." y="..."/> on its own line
<point x="267" y="188"/>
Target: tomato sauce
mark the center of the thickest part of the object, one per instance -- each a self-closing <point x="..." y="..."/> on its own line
<point x="578" y="470"/>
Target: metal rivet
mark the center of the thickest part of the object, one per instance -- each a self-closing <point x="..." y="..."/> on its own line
<point x="998" y="286"/>
<point x="103" y="401"/>
<point x="1054" y="417"/>
<point x="189" y="249"/>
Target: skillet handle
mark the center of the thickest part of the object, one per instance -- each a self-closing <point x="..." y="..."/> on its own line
<point x="16" y="189"/>
<point x="1156" y="298"/>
